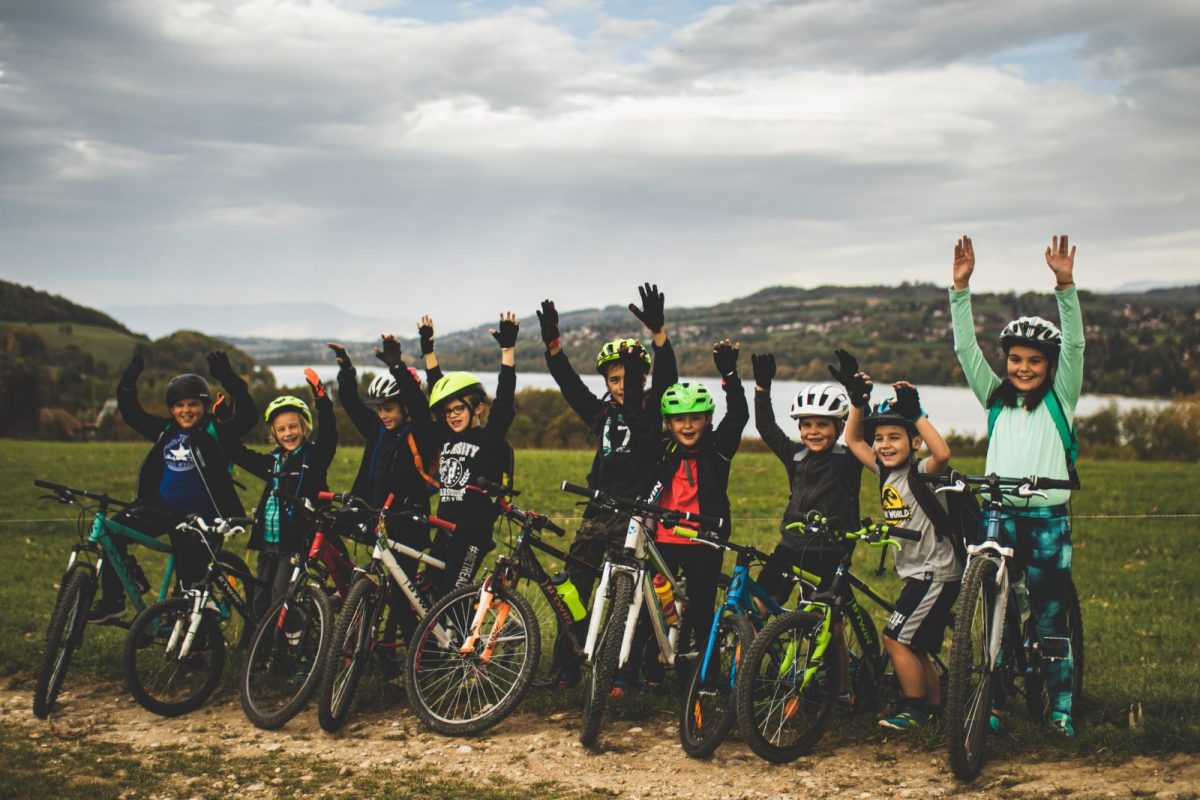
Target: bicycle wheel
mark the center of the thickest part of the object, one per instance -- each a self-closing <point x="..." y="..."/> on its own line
<point x="158" y="675"/>
<point x="969" y="694"/>
<point x="862" y="645"/>
<point x="283" y="665"/>
<point x="460" y="687"/>
<point x="707" y="713"/>
<point x="236" y="630"/>
<point x="347" y="658"/>
<point x="63" y="635"/>
<point x="785" y="692"/>
<point x="546" y="670"/>
<point x="608" y="652"/>
<point x="1037" y="695"/>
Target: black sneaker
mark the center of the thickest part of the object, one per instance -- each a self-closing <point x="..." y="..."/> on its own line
<point x="106" y="610"/>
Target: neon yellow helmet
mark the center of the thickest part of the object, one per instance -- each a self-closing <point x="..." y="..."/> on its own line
<point x="288" y="402"/>
<point x="611" y="352"/>
<point x="687" y="398"/>
<point x="453" y="385"/>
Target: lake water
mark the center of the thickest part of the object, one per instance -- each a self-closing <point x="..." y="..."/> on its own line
<point x="951" y="408"/>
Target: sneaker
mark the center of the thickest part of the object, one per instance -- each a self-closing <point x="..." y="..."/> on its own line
<point x="621" y="689"/>
<point x="1061" y="723"/>
<point x="995" y="724"/>
<point x="568" y="676"/>
<point x="107" y="610"/>
<point x="139" y="578"/>
<point x="907" y="719"/>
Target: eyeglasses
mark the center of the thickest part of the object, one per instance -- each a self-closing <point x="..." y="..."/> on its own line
<point x="456" y="409"/>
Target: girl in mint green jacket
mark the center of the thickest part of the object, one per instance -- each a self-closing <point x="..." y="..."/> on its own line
<point x="1027" y="409"/>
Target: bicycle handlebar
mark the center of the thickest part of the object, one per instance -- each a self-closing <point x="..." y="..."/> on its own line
<point x="496" y="489"/>
<point x="66" y="494"/>
<point x="955" y="481"/>
<point x="668" y="517"/>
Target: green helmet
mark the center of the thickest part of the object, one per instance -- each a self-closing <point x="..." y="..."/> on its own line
<point x="288" y="402"/>
<point x="687" y="398"/>
<point x="453" y="385"/>
<point x="611" y="352"/>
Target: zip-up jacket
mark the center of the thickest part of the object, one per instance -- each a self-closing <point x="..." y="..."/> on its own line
<point x="827" y="482"/>
<point x="210" y="441"/>
<point x="303" y="473"/>
<point x="615" y="468"/>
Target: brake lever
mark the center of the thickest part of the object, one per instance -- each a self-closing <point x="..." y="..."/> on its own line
<point x="1025" y="490"/>
<point x="957" y="486"/>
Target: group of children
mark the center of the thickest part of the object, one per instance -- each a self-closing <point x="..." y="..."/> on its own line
<point x="419" y="445"/>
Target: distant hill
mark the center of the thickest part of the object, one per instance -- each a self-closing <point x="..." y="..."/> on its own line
<point x="264" y="320"/>
<point x="1139" y="343"/>
<point x="25" y="304"/>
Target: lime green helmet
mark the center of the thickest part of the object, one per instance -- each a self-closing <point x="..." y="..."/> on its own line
<point x="687" y="398"/>
<point x="453" y="385"/>
<point x="288" y="402"/>
<point x="611" y="352"/>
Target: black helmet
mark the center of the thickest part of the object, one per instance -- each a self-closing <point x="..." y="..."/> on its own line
<point x="884" y="413"/>
<point x="187" y="385"/>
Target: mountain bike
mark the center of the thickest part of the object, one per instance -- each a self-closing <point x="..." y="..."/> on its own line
<point x="474" y="656"/>
<point x="989" y="654"/>
<point x="175" y="649"/>
<point x="65" y="633"/>
<point x="357" y="633"/>
<point x="626" y="585"/>
<point x="282" y="669"/>
<point x="788" y="685"/>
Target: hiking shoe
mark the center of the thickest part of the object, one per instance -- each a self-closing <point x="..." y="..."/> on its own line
<point x="568" y="676"/>
<point x="106" y="610"/>
<point x="907" y="719"/>
<point x="1061" y="723"/>
<point x="621" y="689"/>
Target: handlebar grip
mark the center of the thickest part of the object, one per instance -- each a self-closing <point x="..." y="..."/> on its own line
<point x="1052" y="483"/>
<point x="326" y="497"/>
<point x="441" y="523"/>
<point x="703" y="520"/>
<point x="556" y="530"/>
<point x="54" y="487"/>
<point x="498" y="489"/>
<point x="575" y="488"/>
<point x="903" y="533"/>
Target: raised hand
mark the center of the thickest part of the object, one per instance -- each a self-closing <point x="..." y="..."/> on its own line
<point x="219" y="366"/>
<point x="964" y="263"/>
<point x="136" y="365"/>
<point x="340" y="355"/>
<point x="725" y="356"/>
<point x="425" y="331"/>
<point x="1061" y="260"/>
<point x="634" y="361"/>
<point x="764" y="369"/>
<point x="314" y="383"/>
<point x="847" y="373"/>
<point x="390" y="354"/>
<point x="908" y="401"/>
<point x="506" y="334"/>
<point x="548" y="319"/>
<point x="652" y="312"/>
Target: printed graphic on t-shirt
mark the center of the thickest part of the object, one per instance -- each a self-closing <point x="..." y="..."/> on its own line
<point x="616" y="436"/>
<point x="453" y="472"/>
<point x="894" y="507"/>
<point x="177" y="456"/>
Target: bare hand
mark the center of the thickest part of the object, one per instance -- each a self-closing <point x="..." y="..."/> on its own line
<point x="964" y="263"/>
<point x="1061" y="261"/>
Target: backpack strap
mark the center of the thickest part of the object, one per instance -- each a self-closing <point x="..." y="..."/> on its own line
<point x="1066" y="432"/>
<point x="419" y="463"/>
<point x="929" y="504"/>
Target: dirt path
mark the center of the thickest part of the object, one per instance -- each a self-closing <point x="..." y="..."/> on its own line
<point x="640" y="760"/>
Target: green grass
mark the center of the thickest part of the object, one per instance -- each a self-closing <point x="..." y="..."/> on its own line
<point x="104" y="344"/>
<point x="1135" y="578"/>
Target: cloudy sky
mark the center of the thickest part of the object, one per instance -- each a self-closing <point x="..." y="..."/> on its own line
<point x="462" y="158"/>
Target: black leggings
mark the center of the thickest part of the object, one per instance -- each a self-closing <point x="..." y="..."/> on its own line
<point x="463" y="552"/>
<point x="158" y="519"/>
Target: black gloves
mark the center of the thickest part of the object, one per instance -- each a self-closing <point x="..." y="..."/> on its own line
<point x="847" y="373"/>
<point x="908" y="403"/>
<point x="548" y="319"/>
<point x="219" y="366"/>
<point x="425" y="331"/>
<point x="390" y="354"/>
<point x="506" y="334"/>
<point x="635" y="367"/>
<point x="130" y="375"/>
<point x="725" y="356"/>
<point x="651" y="313"/>
<point x="764" y="369"/>
<point x="343" y="359"/>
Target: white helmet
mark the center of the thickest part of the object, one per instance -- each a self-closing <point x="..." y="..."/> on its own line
<point x="1040" y="334"/>
<point x="821" y="400"/>
<point x="382" y="389"/>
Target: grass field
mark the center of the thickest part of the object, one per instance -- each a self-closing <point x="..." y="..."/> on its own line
<point x="1135" y="576"/>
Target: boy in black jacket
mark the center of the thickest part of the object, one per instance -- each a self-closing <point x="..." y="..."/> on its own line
<point x="471" y="450"/>
<point x="298" y="466"/>
<point x="186" y="471"/>
<point x="615" y="468"/>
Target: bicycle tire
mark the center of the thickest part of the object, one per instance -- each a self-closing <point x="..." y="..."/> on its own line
<point x="783" y="706"/>
<point x="608" y="652"/>
<point x="864" y="655"/>
<point x="462" y="694"/>
<point x="64" y="634"/>
<point x="1037" y="697"/>
<point x="156" y="676"/>
<point x="969" y="694"/>
<point x="346" y="659"/>
<point x="282" y="670"/>
<point x="234" y="627"/>
<point x="545" y="673"/>
<point x="708" y="712"/>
